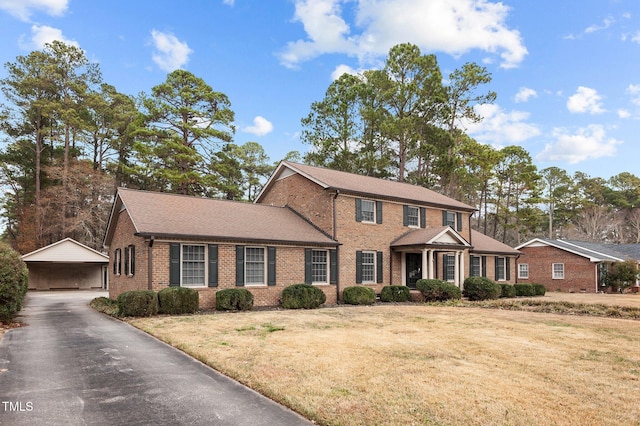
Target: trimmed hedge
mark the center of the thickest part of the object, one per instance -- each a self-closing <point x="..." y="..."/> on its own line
<point x="524" y="290"/>
<point x="359" y="295"/>
<point x="302" y="296"/>
<point x="481" y="288"/>
<point x="395" y="293"/>
<point x="234" y="299"/>
<point x="105" y="305"/>
<point x="508" y="291"/>
<point x="438" y="291"/>
<point x="137" y="303"/>
<point x="539" y="289"/>
<point x="14" y="281"/>
<point x="177" y="300"/>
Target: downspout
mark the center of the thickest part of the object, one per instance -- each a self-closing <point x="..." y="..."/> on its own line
<point x="335" y="233"/>
<point x="150" y="263"/>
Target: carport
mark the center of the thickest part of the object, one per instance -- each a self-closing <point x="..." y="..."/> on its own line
<point x="66" y="264"/>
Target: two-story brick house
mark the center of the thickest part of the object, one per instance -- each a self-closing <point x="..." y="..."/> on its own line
<point x="329" y="228"/>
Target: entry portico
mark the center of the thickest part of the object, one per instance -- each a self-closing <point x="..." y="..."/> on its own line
<point x="422" y="250"/>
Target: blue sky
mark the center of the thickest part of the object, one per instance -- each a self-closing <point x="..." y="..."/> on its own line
<point x="567" y="73"/>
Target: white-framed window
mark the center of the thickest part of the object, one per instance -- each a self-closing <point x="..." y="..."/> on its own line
<point x="557" y="271"/>
<point x="413" y="216"/>
<point x="451" y="219"/>
<point x="193" y="265"/>
<point x="368" y="211"/>
<point x="255" y="266"/>
<point x="476" y="266"/>
<point x="130" y="260"/>
<point x="500" y="269"/>
<point x="368" y="266"/>
<point x="523" y="270"/>
<point x="117" y="261"/>
<point x="320" y="266"/>
<point x="450" y="264"/>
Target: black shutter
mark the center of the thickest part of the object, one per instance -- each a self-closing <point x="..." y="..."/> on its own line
<point x="378" y="211"/>
<point x="115" y="262"/>
<point x="444" y="218"/>
<point x="271" y="266"/>
<point x="423" y="217"/>
<point x="379" y="268"/>
<point x="333" y="266"/>
<point x="308" y="277"/>
<point x="405" y="215"/>
<point x="358" y="210"/>
<point x="445" y="261"/>
<point x="213" y="265"/>
<point x="507" y="267"/>
<point x="132" y="256"/>
<point x="126" y="261"/>
<point x="484" y="266"/>
<point x="496" y="267"/>
<point x="239" y="266"/>
<point x="459" y="221"/>
<point x="358" y="267"/>
<point x="174" y="265"/>
<point x="471" y="257"/>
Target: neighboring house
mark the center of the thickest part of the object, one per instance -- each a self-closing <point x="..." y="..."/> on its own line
<point x="308" y="224"/>
<point x="570" y="266"/>
<point x="66" y="264"/>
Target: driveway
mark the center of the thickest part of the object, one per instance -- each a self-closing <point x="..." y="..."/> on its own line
<point x="74" y="366"/>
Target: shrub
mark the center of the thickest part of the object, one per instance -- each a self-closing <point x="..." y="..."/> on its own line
<point x="137" y="303"/>
<point x="438" y="291"/>
<point x="524" y="290"/>
<point x="359" y="295"/>
<point x="14" y="279"/>
<point x="105" y="305"/>
<point x="234" y="299"/>
<point x="302" y="296"/>
<point x="177" y="300"/>
<point x="508" y="291"/>
<point x="539" y="289"/>
<point x="395" y="293"/>
<point x="481" y="288"/>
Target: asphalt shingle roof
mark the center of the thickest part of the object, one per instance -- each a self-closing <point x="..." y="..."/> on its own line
<point x="170" y="215"/>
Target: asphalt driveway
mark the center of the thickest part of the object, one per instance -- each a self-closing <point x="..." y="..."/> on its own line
<point x="74" y="366"/>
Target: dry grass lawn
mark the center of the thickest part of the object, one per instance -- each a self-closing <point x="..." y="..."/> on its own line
<point x="419" y="364"/>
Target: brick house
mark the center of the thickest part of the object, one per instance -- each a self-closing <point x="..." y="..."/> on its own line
<point x="570" y="266"/>
<point x="308" y="224"/>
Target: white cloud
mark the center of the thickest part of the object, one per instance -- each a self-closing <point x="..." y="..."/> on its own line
<point x="436" y="25"/>
<point x="500" y="128"/>
<point x="171" y="53"/>
<point x="261" y="126"/>
<point x="623" y="113"/>
<point x="41" y="34"/>
<point x="229" y="2"/>
<point x="587" y="143"/>
<point x="634" y="91"/>
<point x="585" y="100"/>
<point x="23" y="9"/>
<point x="342" y="69"/>
<point x="524" y="94"/>
<point x="606" y="23"/>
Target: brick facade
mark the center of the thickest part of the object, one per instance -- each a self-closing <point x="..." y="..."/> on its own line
<point x="580" y="275"/>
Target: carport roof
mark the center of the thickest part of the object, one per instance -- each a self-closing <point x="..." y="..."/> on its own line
<point x="66" y="251"/>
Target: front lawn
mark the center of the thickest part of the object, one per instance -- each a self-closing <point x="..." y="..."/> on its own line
<point x="419" y="364"/>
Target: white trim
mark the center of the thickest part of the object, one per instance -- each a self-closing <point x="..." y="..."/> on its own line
<point x="520" y="276"/>
<point x="536" y="242"/>
<point x="328" y="267"/>
<point x="206" y="266"/>
<point x="265" y="262"/>
<point x="553" y="271"/>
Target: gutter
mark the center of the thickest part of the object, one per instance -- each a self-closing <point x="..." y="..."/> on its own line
<point x="335" y="228"/>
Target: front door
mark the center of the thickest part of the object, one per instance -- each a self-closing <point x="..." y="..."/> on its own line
<point x="414" y="268"/>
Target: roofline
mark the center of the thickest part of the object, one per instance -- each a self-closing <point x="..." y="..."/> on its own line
<point x="60" y="242"/>
<point x="164" y="236"/>
<point x="550" y="243"/>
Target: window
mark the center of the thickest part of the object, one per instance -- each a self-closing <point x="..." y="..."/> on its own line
<point x="254" y="266"/>
<point x="413" y="216"/>
<point x="193" y="265"/>
<point x="476" y="270"/>
<point x="450" y="219"/>
<point x="319" y="266"/>
<point x="368" y="211"/>
<point x="368" y="267"/>
<point x="500" y="268"/>
<point x="130" y="260"/>
<point x="558" y="271"/>
<point x="450" y="267"/>
<point x="523" y="270"/>
<point x="117" y="262"/>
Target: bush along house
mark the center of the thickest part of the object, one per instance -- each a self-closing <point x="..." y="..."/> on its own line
<point x="308" y="224"/>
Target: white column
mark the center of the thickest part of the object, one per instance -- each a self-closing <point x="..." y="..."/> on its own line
<point x="431" y="275"/>
<point x="462" y="270"/>
<point x="425" y="264"/>
<point x="456" y="275"/>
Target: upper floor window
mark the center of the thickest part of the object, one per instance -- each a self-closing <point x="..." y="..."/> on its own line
<point x="558" y="271"/>
<point x="413" y="216"/>
<point x="368" y="211"/>
<point x="452" y="219"/>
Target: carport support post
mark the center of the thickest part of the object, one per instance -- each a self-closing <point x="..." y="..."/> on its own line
<point x="150" y="263"/>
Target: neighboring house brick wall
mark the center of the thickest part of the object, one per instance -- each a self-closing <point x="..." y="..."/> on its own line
<point x="579" y="272"/>
<point x="124" y="237"/>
